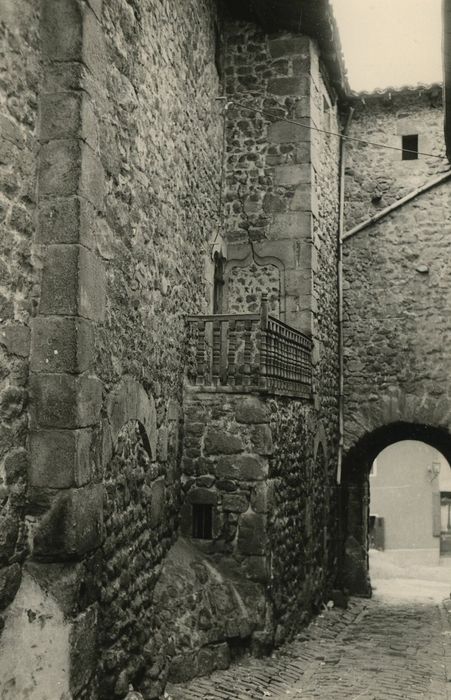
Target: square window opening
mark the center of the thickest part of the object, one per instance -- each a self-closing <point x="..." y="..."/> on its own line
<point x="410" y="147"/>
<point x="202" y="521"/>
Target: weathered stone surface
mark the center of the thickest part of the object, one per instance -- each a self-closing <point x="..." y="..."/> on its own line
<point x="246" y="467"/>
<point x="60" y="458"/>
<point x="202" y="495"/>
<point x="288" y="86"/>
<point x="235" y="502"/>
<point x="251" y="410"/>
<point x="62" y="345"/>
<point x="252" y="537"/>
<point x="16" y="339"/>
<point x="73" y="525"/>
<point x="289" y="45"/>
<point x="65" y="401"/>
<point x="83" y="650"/>
<point x="10" y="577"/>
<point x="219" y="442"/>
<point x="73" y="283"/>
<point x="261" y="438"/>
<point x="70" y="167"/>
<point x="66" y="220"/>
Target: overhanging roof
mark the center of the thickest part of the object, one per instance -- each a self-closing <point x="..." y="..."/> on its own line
<point x="314" y="18"/>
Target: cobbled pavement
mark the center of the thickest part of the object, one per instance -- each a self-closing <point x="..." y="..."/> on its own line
<point x="371" y="651"/>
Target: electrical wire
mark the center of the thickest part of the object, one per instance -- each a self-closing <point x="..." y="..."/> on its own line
<point x="267" y="113"/>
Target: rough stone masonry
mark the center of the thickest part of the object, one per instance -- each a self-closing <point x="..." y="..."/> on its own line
<point x="123" y="182"/>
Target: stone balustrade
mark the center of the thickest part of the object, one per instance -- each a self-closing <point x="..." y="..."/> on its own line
<point x="249" y="353"/>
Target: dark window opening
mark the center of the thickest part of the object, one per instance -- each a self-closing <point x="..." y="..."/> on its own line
<point x="218" y="283"/>
<point x="202" y="521"/>
<point x="410" y="147"/>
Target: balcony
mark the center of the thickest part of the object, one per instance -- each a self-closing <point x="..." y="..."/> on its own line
<point x="253" y="353"/>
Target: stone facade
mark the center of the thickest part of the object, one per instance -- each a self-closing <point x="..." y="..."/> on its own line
<point x="107" y="449"/>
<point x="396" y="320"/>
<point x="19" y="275"/>
<point x="262" y="466"/>
<point x="377" y="177"/>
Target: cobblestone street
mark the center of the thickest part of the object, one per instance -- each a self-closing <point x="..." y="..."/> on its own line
<point x="377" y="649"/>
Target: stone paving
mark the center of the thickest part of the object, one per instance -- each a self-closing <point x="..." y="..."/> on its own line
<point x="374" y="650"/>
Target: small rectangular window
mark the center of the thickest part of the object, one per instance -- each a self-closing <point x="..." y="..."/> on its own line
<point x="202" y="521"/>
<point x="410" y="147"/>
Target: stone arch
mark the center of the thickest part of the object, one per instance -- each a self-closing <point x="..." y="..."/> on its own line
<point x="393" y="407"/>
<point x="129" y="401"/>
<point x="354" y="492"/>
<point x="271" y="281"/>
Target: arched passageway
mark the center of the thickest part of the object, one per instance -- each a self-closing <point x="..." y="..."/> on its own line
<point x="355" y="494"/>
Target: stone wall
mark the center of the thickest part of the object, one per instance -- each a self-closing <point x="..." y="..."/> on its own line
<point x="396" y="318"/>
<point x="268" y="200"/>
<point x="263" y="467"/>
<point x="281" y="200"/>
<point x="303" y="516"/>
<point x="19" y="274"/>
<point x="377" y="177"/>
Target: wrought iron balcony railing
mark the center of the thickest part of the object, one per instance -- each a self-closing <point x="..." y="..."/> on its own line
<point x="249" y="353"/>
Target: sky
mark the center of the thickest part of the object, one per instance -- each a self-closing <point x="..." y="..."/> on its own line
<point x="390" y="43"/>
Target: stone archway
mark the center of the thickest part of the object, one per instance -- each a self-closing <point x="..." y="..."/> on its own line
<point x="354" y="494"/>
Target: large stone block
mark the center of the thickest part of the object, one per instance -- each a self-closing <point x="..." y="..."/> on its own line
<point x="289" y="45"/>
<point x="60" y="458"/>
<point x="65" y="401"/>
<point x="289" y="86"/>
<point x="261" y="438"/>
<point x="291" y="175"/>
<point x="245" y="467"/>
<point x="70" y="31"/>
<point x="72" y="526"/>
<point x="61" y="345"/>
<point x="66" y="220"/>
<point x="287" y="132"/>
<point x="70" y="167"/>
<point x="202" y="495"/>
<point x="251" y="410"/>
<point x="73" y="283"/>
<point x="219" y="442"/>
<point x="292" y="225"/>
<point x="67" y="115"/>
<point x="252" y="537"/>
<point x="235" y="502"/>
